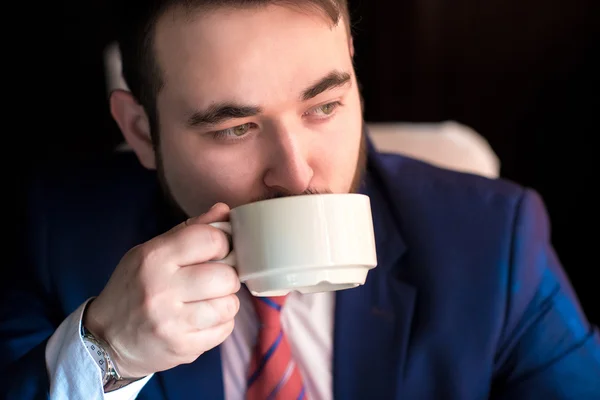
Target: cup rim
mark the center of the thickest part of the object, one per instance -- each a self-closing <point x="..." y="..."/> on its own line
<point x="302" y="196"/>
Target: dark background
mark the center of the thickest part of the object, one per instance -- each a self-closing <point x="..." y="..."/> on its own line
<point x="524" y="74"/>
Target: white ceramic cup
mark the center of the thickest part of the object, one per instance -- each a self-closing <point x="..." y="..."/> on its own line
<point x="308" y="243"/>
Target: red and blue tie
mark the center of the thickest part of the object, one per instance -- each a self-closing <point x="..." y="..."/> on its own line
<point x="273" y="374"/>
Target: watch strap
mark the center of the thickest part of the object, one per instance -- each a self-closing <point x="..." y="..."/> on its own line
<point x="111" y="380"/>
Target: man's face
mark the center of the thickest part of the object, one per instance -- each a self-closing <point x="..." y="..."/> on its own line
<point x="257" y="103"/>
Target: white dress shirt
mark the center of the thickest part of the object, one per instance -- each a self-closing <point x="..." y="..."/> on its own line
<point x="307" y="321"/>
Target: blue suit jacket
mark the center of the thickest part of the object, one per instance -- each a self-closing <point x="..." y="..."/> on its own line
<point x="468" y="300"/>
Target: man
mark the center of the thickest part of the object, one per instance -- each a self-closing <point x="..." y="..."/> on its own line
<point x="236" y="101"/>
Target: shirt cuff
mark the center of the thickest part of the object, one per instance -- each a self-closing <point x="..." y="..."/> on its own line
<point x="72" y="371"/>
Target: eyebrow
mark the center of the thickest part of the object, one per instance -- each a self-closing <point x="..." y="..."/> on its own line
<point x="221" y="112"/>
<point x="333" y="80"/>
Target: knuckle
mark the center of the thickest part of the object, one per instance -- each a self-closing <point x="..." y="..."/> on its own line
<point x="188" y="359"/>
<point x="224" y="279"/>
<point x="149" y="253"/>
<point x="148" y="298"/>
<point x="192" y="221"/>
<point x="160" y="329"/>
<point x="206" y="316"/>
<point x="134" y="253"/>
<point x="232" y="307"/>
<point x="217" y="335"/>
<point x="232" y="279"/>
<point x="216" y="240"/>
<point x="157" y="320"/>
<point x="147" y="303"/>
<point x="228" y="329"/>
<point x="227" y="309"/>
<point x="178" y="349"/>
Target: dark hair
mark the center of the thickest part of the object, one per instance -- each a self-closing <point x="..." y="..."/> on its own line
<point x="136" y="37"/>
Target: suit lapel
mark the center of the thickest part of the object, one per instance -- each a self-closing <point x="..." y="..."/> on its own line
<point x="372" y="322"/>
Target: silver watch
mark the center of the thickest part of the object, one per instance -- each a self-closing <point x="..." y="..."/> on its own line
<point x="111" y="380"/>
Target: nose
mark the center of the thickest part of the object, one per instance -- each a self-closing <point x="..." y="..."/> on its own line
<point x="288" y="169"/>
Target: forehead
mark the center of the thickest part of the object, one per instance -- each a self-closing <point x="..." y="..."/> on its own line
<point x="248" y="54"/>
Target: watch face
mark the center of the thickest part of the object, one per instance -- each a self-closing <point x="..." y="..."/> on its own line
<point x="97" y="354"/>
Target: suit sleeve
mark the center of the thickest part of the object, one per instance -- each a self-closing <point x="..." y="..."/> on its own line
<point x="28" y="313"/>
<point x="41" y="352"/>
<point x="547" y="349"/>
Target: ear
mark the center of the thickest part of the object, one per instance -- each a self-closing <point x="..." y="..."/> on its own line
<point x="134" y="124"/>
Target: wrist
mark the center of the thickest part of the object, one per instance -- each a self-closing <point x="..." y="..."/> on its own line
<point x="111" y="379"/>
<point x="91" y="323"/>
<point x="94" y="334"/>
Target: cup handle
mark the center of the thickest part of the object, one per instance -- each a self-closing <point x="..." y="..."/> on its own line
<point x="226" y="227"/>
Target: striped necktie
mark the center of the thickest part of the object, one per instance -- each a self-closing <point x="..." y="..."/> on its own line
<point x="273" y="375"/>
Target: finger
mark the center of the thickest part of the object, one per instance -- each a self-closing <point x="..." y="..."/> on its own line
<point x="217" y="213"/>
<point x="194" y="244"/>
<point x="206" y="314"/>
<point x="206" y="281"/>
<point x="210" y="338"/>
<point x="192" y="241"/>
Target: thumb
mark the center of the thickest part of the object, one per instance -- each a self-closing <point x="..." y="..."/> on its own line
<point x="217" y="213"/>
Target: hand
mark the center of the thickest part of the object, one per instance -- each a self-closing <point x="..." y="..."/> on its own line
<point x="166" y="303"/>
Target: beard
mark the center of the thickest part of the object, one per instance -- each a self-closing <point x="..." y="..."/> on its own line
<point x="355" y="185"/>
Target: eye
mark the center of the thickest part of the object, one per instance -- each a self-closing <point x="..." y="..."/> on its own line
<point x="325" y="110"/>
<point x="235" y="132"/>
<point x="240" y="130"/>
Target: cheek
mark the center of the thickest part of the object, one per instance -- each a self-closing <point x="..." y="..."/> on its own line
<point x="345" y="159"/>
<point x="198" y="176"/>
<point x="340" y="152"/>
